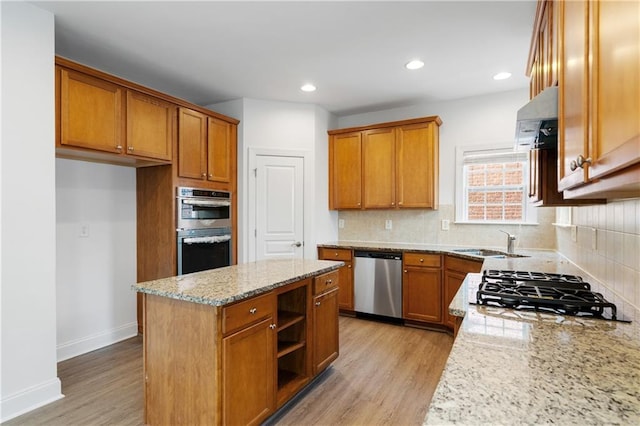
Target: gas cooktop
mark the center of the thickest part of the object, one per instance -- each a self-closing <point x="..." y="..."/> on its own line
<point x="545" y="292"/>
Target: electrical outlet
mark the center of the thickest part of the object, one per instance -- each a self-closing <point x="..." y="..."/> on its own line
<point x="388" y="224"/>
<point x="341" y="223"/>
<point x="574" y="233"/>
<point x="84" y="230"/>
<point x="445" y="224"/>
<point x="594" y="239"/>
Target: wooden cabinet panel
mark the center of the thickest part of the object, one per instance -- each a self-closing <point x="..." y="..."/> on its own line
<point x="246" y="312"/>
<point x="417" y="166"/>
<point x="573" y="95"/>
<point x="599" y="99"/>
<point x="91" y="113"/>
<point x="248" y="375"/>
<point x="345" y="171"/>
<point x="220" y="150"/>
<point x="345" y="274"/>
<point x="456" y="270"/>
<point x="385" y="166"/>
<point x="378" y="168"/>
<point x="150" y="124"/>
<point x="422" y="288"/>
<point x="325" y="282"/>
<point x="325" y="330"/>
<point x="334" y="254"/>
<point x="192" y="139"/>
<point x="615" y="78"/>
<point x="422" y="260"/>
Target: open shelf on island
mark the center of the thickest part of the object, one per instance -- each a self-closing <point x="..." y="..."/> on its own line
<point x="288" y="383"/>
<point x="288" y="318"/>
<point x="285" y="348"/>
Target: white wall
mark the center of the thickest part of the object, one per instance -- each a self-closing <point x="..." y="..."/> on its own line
<point x="95" y="304"/>
<point x="27" y="175"/>
<point x="284" y="126"/>
<point x="479" y="120"/>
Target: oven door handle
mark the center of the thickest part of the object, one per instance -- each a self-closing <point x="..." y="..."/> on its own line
<point x="213" y="203"/>
<point x="207" y="240"/>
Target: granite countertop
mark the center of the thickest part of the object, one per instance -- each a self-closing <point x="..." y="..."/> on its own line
<point x="510" y="366"/>
<point x="429" y="248"/>
<point x="222" y="286"/>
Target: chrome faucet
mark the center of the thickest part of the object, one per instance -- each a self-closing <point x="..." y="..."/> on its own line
<point x="510" y="241"/>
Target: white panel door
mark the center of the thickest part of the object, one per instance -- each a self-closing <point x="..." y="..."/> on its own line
<point x="279" y="207"/>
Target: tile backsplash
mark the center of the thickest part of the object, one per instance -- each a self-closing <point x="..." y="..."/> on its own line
<point x="424" y="227"/>
<point x="607" y="246"/>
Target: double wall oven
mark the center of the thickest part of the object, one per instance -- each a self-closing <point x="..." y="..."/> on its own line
<point x="203" y="229"/>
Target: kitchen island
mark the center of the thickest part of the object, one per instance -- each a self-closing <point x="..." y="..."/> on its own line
<point x="232" y="345"/>
<point x="509" y="366"/>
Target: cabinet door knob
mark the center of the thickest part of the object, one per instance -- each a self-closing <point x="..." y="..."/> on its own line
<point x="393" y="204"/>
<point x="327" y="282"/>
<point x="421" y="260"/>
<point x="317" y="303"/>
<point x="272" y="326"/>
<point x="573" y="165"/>
<point x="581" y="161"/>
<point x="119" y="147"/>
<point x="210" y="175"/>
<point x="349" y="266"/>
<point x="130" y="148"/>
<point x="253" y="311"/>
<point x="405" y="271"/>
<point x="204" y="175"/>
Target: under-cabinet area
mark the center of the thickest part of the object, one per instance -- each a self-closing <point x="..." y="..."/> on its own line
<point x="430" y="278"/>
<point x="219" y="349"/>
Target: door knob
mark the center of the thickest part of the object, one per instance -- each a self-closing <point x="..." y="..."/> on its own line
<point x="296" y="244"/>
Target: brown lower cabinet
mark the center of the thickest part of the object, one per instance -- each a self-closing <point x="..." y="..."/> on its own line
<point x="455" y="271"/>
<point x="345" y="293"/>
<point x="422" y="287"/>
<point x="237" y="364"/>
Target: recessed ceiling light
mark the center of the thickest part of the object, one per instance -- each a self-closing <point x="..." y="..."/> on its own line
<point x="502" y="76"/>
<point x="414" y="65"/>
<point x="308" y="88"/>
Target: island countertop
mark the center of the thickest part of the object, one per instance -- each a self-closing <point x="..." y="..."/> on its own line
<point x="509" y="366"/>
<point x="218" y="287"/>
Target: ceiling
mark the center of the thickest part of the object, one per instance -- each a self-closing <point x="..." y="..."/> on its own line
<point x="354" y="52"/>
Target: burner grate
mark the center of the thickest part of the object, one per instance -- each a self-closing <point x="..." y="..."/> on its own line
<point x="558" y="293"/>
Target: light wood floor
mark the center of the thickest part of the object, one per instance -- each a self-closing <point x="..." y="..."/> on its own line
<point x="385" y="375"/>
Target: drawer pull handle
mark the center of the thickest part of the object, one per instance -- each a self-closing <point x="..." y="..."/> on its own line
<point x="253" y="310"/>
<point x="327" y="282"/>
<point x="317" y="303"/>
<point x="421" y="260"/>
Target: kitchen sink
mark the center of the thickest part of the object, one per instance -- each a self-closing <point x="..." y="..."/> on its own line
<point x="486" y="253"/>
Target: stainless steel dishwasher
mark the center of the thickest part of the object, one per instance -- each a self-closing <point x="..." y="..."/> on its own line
<point x="378" y="283"/>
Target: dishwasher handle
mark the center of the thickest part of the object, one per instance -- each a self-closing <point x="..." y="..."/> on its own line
<point x="378" y="255"/>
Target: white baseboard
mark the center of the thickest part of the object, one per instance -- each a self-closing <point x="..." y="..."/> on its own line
<point x="30" y="399"/>
<point x="96" y="341"/>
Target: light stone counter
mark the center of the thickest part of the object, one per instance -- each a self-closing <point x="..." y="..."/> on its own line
<point x="218" y="287"/>
<point x="513" y="367"/>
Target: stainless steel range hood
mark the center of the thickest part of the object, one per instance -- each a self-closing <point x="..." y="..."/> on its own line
<point x="538" y="117"/>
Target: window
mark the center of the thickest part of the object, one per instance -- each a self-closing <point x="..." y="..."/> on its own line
<point x="491" y="186"/>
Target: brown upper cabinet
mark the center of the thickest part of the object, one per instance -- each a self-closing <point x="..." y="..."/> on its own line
<point x="591" y="50"/>
<point x="150" y="123"/>
<point x="599" y="99"/>
<point x="206" y="147"/>
<point x="99" y="116"/>
<point x="385" y="166"/>
<point x="91" y="112"/>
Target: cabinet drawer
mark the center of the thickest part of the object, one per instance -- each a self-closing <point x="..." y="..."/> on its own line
<point x="246" y="312"/>
<point x="462" y="265"/>
<point x="334" y="254"/>
<point x="421" y="259"/>
<point x="325" y="282"/>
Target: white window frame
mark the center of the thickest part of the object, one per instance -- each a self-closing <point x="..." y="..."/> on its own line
<point x="529" y="211"/>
